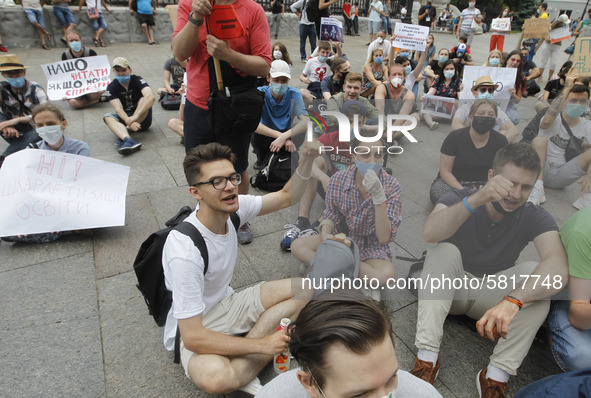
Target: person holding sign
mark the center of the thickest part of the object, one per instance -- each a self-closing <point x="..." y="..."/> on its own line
<point x="449" y="85"/>
<point x="19" y="96"/>
<point x="515" y="60"/>
<point x="497" y="39"/>
<point x="132" y="99"/>
<point x="551" y="51"/>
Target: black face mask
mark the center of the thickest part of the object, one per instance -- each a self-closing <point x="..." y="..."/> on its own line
<point x="483" y="124"/>
<point x="504" y="212"/>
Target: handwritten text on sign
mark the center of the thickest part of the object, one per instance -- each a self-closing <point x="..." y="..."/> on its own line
<point x="582" y="56"/>
<point x="47" y="191"/>
<point x="411" y="37"/>
<point x="76" y="77"/>
<point x="503" y="77"/>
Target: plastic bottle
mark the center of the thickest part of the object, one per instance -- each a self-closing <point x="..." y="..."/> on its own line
<point x="281" y="361"/>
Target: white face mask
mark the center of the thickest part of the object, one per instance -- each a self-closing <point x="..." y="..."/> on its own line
<point x="504" y="13"/>
<point x="397" y="82"/>
<point x="50" y="134"/>
<point x="471" y="5"/>
<point x="277" y="54"/>
<point x="391" y="395"/>
<point x="380" y="40"/>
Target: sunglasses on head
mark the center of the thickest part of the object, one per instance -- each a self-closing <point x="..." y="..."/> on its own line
<point x="485" y="89"/>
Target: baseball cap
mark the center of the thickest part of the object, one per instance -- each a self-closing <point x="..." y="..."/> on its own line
<point x="353" y="106"/>
<point x="280" y="68"/>
<point x="121" y="62"/>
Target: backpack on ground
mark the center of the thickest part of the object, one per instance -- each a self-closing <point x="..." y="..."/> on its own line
<point x="275" y="171"/>
<point x="170" y="102"/>
<point x="150" y="273"/>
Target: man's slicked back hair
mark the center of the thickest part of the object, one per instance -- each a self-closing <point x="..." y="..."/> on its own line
<point x="520" y="154"/>
<point x="202" y="154"/>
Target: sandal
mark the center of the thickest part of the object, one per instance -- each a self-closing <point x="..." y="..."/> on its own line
<point x="95" y="41"/>
<point x="44" y="46"/>
<point x="48" y="35"/>
<point x="102" y="43"/>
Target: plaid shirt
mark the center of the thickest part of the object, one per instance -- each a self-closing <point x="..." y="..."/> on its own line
<point x="345" y="203"/>
<point x="11" y="107"/>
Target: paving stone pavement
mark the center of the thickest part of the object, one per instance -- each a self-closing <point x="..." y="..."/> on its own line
<point x="74" y="324"/>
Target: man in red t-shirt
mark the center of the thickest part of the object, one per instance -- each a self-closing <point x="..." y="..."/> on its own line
<point x="242" y="60"/>
<point x="347" y="16"/>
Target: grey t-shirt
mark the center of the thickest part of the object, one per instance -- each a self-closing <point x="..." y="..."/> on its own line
<point x="287" y="385"/>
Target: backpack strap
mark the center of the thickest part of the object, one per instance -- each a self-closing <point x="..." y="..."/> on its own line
<point x="177" y="345"/>
<point x="192" y="232"/>
<point x="235" y="220"/>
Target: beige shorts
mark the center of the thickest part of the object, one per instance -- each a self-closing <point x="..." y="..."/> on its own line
<point x="234" y="315"/>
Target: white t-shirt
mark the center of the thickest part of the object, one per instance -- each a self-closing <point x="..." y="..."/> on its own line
<point x="558" y="138"/>
<point x="32" y="5"/>
<point x="410" y="80"/>
<point x="375" y="16"/>
<point x="183" y="267"/>
<point x="385" y="46"/>
<point x="316" y="70"/>
<point x="464" y="110"/>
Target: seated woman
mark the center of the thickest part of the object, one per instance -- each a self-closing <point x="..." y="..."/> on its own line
<point x="553" y="87"/>
<point x="375" y="72"/>
<point x="280" y="52"/>
<point x="364" y="202"/>
<point x="50" y="124"/>
<point x="467" y="154"/>
<point x="435" y="68"/>
<point x="495" y="59"/>
<point x="515" y="60"/>
<point x="448" y="86"/>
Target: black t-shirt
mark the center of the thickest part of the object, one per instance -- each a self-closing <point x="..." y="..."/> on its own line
<point x="330" y="86"/>
<point x="430" y="16"/>
<point x="130" y="97"/>
<point x="554" y="87"/>
<point x="88" y="52"/>
<point x="277" y="7"/>
<point x="471" y="163"/>
<point x="438" y="70"/>
<point x="488" y="247"/>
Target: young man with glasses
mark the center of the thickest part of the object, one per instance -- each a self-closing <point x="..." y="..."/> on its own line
<point x="209" y="314"/>
<point x="485" y="88"/>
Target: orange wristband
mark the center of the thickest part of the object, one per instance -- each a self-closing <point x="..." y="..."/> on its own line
<point x="514" y="300"/>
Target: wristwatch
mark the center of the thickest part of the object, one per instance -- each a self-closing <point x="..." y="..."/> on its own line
<point x="194" y="21"/>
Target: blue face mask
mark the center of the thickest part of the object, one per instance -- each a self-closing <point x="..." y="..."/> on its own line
<point x="449" y="74"/>
<point x="123" y="79"/>
<point x="377" y="60"/>
<point x="442" y="59"/>
<point x="494" y="61"/>
<point x="575" y="110"/>
<point x="365" y="167"/>
<point x="407" y="70"/>
<point x="485" y="95"/>
<point x="76" y="46"/>
<point x="405" y="54"/>
<point x="322" y="58"/>
<point x="279" y="89"/>
<point x="16" y="82"/>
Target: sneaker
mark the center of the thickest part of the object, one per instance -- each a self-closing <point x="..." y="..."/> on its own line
<point x="292" y="234"/>
<point x="425" y="371"/>
<point x="3" y="49"/>
<point x="434" y="126"/>
<point x="489" y="387"/>
<point x="129" y="146"/>
<point x="537" y="196"/>
<point x="118" y="142"/>
<point x="253" y="387"/>
<point x="583" y="201"/>
<point x="244" y="234"/>
<point x="304" y="60"/>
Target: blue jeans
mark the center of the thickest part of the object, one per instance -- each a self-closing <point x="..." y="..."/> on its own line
<point x="571" y="347"/>
<point x="27" y="135"/>
<point x="386" y="24"/>
<point x="35" y="16"/>
<point x="309" y="32"/>
<point x="99" y="22"/>
<point x="356" y="24"/>
<point x="64" y="15"/>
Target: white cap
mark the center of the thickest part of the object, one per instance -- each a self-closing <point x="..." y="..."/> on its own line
<point x="564" y="19"/>
<point x="280" y="68"/>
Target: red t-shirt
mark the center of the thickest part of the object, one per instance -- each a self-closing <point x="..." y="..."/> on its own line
<point x="347" y="8"/>
<point x="341" y="159"/>
<point x="256" y="41"/>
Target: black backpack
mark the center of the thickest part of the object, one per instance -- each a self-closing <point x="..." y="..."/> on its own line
<point x="275" y="171"/>
<point x="170" y="102"/>
<point x="150" y="273"/>
<point x="312" y="10"/>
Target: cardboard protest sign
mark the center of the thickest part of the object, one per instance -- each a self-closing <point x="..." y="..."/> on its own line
<point x="582" y="56"/>
<point x="412" y="37"/>
<point x="224" y="23"/>
<point x="504" y="77"/>
<point x="559" y="34"/>
<point x="536" y="28"/>
<point x="48" y="191"/>
<point x="172" y="10"/>
<point x="438" y="106"/>
<point x="331" y="29"/>
<point x="500" y="24"/>
<point x="73" y="78"/>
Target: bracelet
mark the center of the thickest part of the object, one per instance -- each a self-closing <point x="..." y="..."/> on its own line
<point x="514" y="300"/>
<point x="301" y="176"/>
<point x="194" y="21"/>
<point x="471" y="210"/>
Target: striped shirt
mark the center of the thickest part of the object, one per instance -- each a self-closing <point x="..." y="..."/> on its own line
<point x="467" y="17"/>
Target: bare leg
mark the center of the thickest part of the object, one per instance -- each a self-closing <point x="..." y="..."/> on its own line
<point x="117" y="128"/>
<point x="99" y="34"/>
<point x="176" y="125"/>
<point x="41" y="31"/>
<point x="540" y="144"/>
<point x="550" y="74"/>
<point x="84" y="101"/>
<point x="376" y="268"/>
<point x="305" y="248"/>
<point x="310" y="193"/>
<point x="368" y="92"/>
<point x="145" y="30"/>
<point x="151" y="33"/>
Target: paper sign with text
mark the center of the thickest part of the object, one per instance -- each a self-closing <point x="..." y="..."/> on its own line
<point x="331" y="29"/>
<point x="582" y="56"/>
<point x="412" y="37"/>
<point x="536" y="28"/>
<point x="73" y="78"/>
<point x="500" y="24"/>
<point x="48" y="191"/>
<point x="504" y="77"/>
<point x="560" y="34"/>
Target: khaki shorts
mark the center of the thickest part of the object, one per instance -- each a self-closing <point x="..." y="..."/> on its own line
<point x="236" y="314"/>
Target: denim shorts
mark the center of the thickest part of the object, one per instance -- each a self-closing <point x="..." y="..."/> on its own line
<point x="374" y="26"/>
<point x="145" y="124"/>
<point x="571" y="347"/>
<point x="35" y="16"/>
<point x="64" y="15"/>
<point x="99" y="22"/>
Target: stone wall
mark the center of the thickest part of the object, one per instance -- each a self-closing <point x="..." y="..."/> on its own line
<point x="122" y="27"/>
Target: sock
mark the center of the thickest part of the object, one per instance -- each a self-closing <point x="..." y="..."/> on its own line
<point x="303" y="223"/>
<point x="427" y="355"/>
<point x="539" y="184"/>
<point x="492" y="372"/>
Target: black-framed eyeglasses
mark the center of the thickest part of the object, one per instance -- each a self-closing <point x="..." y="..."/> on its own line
<point x="490" y="90"/>
<point x="220" y="183"/>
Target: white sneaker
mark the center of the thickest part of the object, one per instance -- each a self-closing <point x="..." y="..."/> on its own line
<point x="253" y="387"/>
<point x="537" y="196"/>
<point x="583" y="201"/>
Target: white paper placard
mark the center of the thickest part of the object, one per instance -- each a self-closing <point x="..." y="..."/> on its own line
<point x="73" y="78"/>
<point x="504" y="77"/>
<point x="412" y="37"/>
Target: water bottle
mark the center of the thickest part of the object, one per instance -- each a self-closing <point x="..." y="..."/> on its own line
<point x="281" y="361"/>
